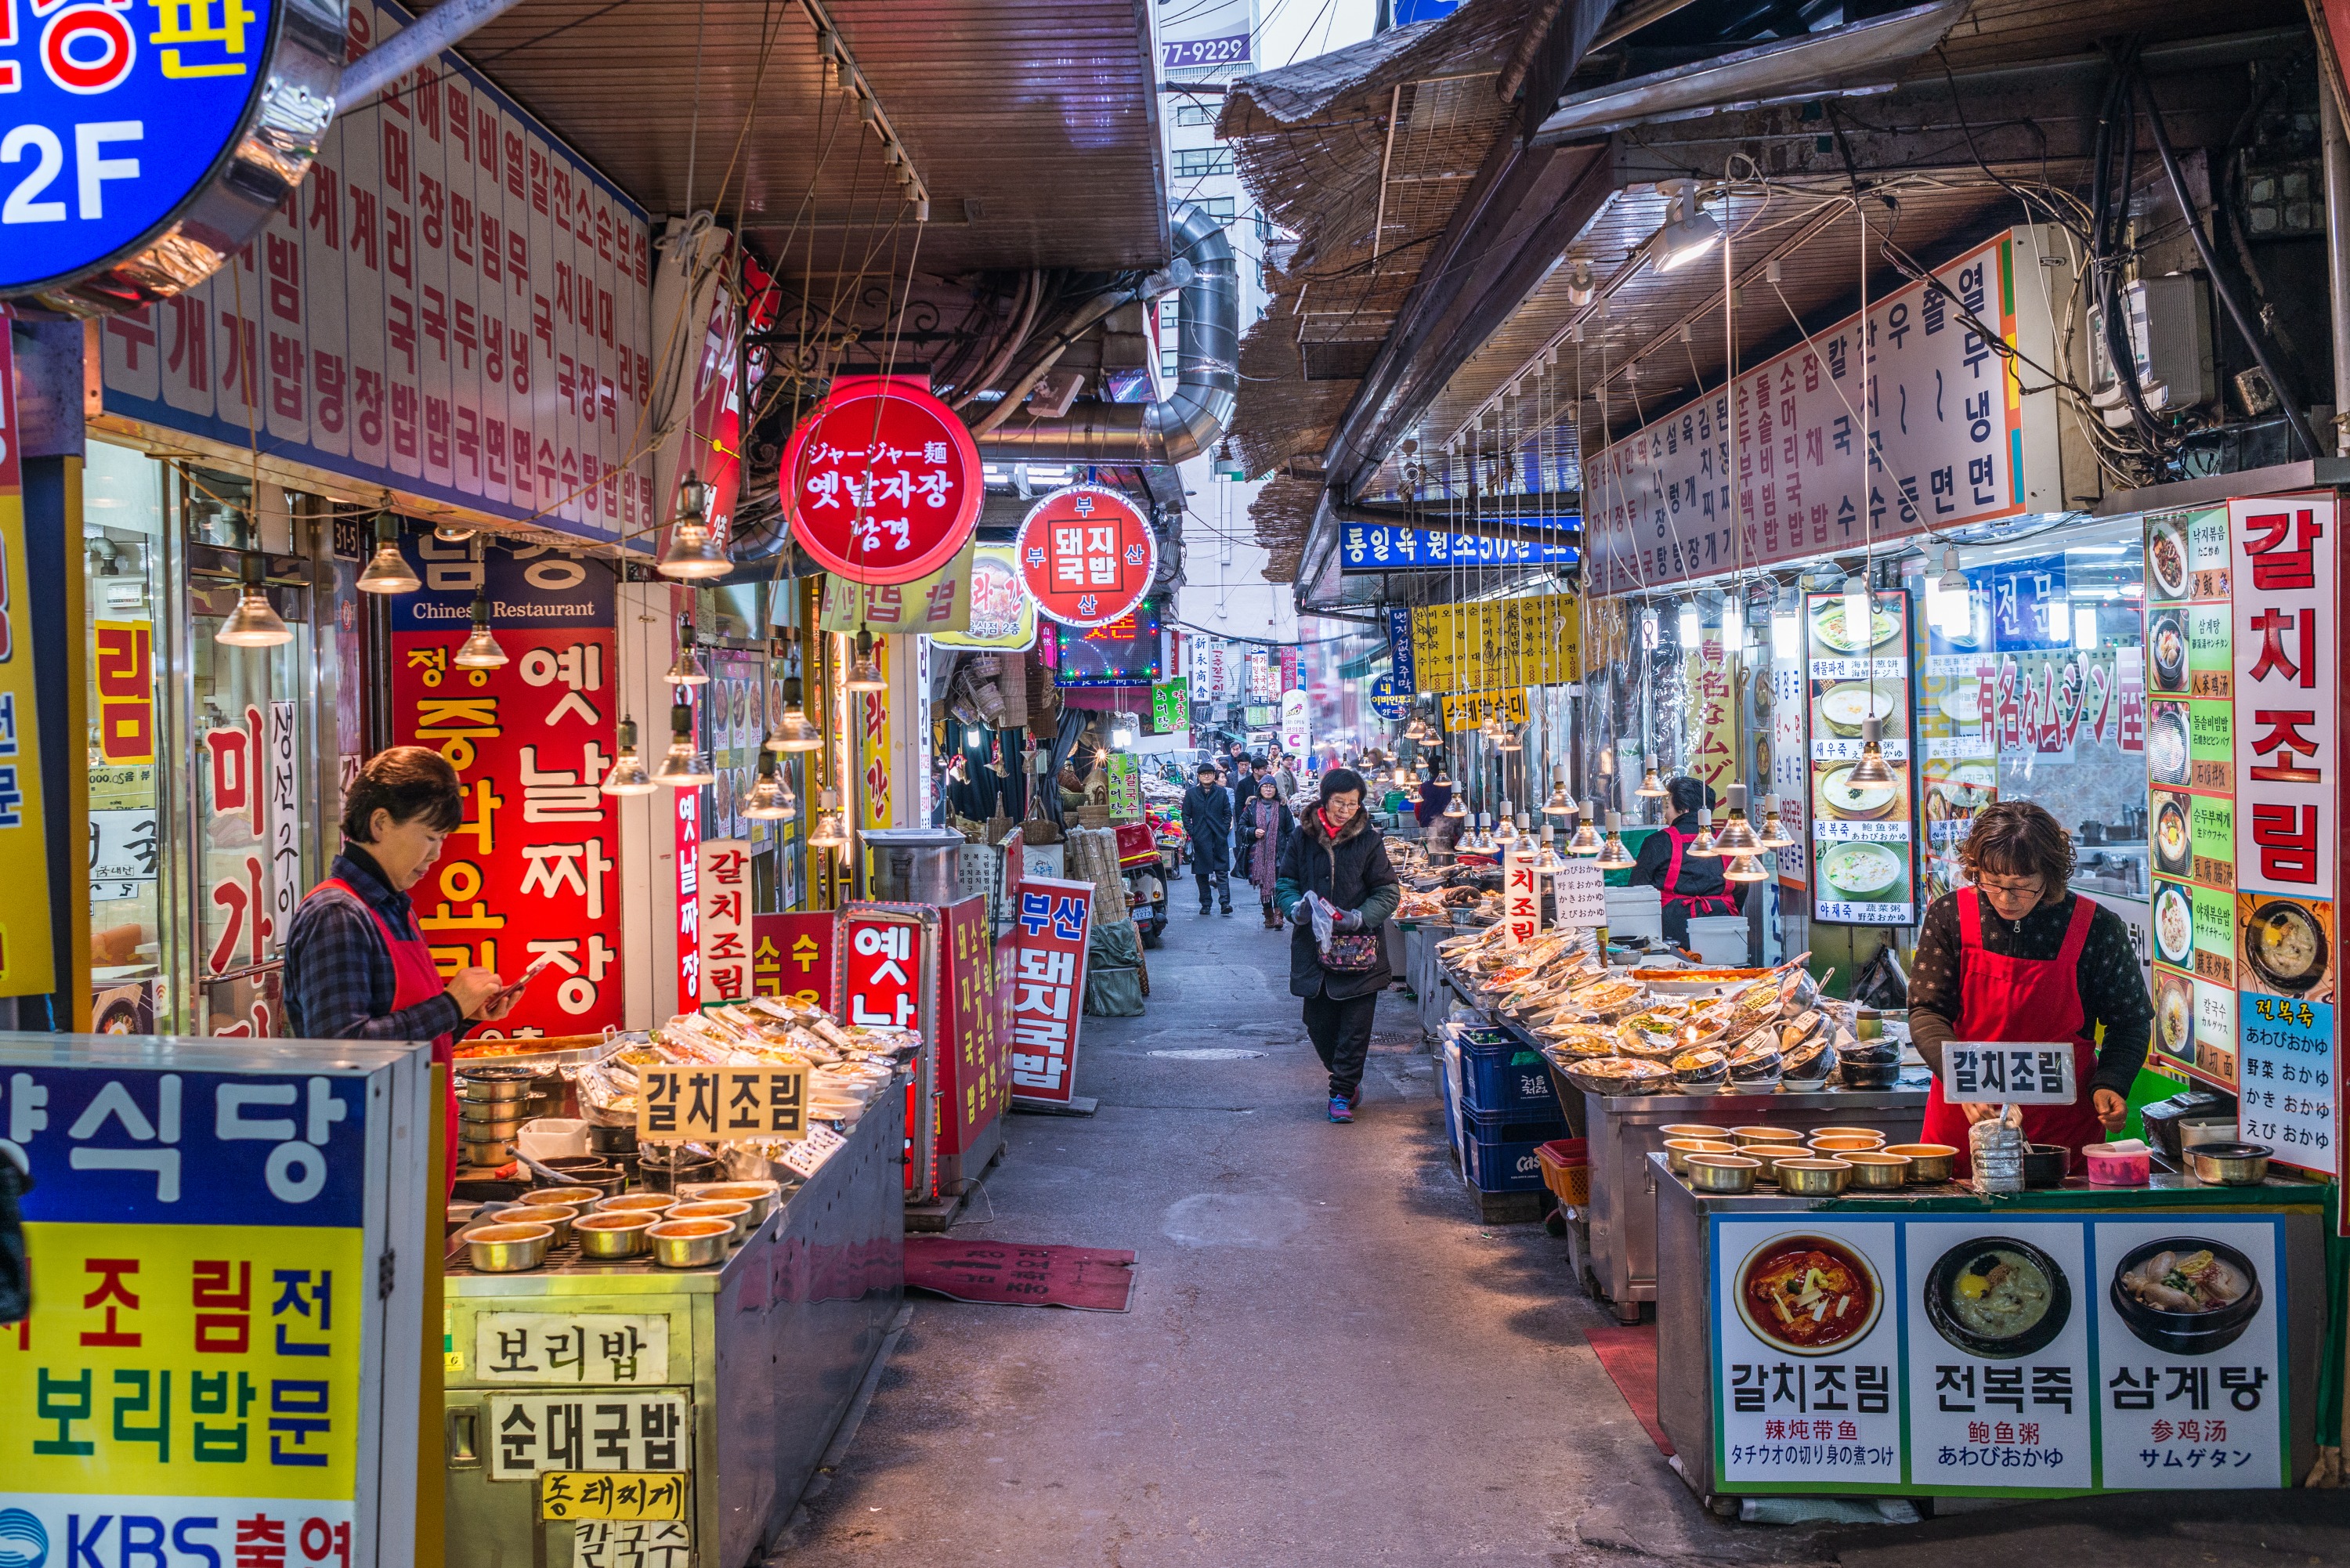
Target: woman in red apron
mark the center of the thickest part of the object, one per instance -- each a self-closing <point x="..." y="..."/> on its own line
<point x="1689" y="884"/>
<point x="2017" y="957"/>
<point x="356" y="966"/>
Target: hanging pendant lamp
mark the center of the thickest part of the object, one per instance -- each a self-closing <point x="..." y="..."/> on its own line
<point x="1585" y="840"/>
<point x="1615" y="857"/>
<point x="831" y="831"/>
<point x="626" y="775"/>
<point x="692" y="554"/>
<point x="387" y="572"/>
<point x="1744" y="868"/>
<point x="480" y="650"/>
<point x="1871" y="769"/>
<point x="254" y="622"/>
<point x="865" y="674"/>
<point x="769" y="799"/>
<point x="682" y="767"/>
<point x="1651" y="786"/>
<point x="1737" y="835"/>
<point x="687" y="669"/>
<point x="1774" y="832"/>
<point x="794" y="733"/>
<point x="1703" y="846"/>
<point x="1559" y="804"/>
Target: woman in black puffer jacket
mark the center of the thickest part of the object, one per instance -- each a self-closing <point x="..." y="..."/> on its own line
<point x="1336" y="853"/>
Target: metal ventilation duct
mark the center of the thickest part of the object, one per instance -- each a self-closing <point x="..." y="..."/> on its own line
<point x="1189" y="421"/>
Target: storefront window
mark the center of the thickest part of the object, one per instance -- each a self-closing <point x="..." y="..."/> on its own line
<point x="122" y="504"/>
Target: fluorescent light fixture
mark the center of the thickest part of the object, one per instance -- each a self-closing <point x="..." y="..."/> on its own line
<point x="1688" y="624"/>
<point x="1689" y="232"/>
<point x="2084" y="626"/>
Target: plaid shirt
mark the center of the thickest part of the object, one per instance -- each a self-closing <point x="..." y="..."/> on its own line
<point x="339" y="982"/>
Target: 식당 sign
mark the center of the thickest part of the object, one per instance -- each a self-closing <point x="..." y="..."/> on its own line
<point x="1087" y="555"/>
<point x="224" y="1350"/>
<point x="151" y="143"/>
<point x="882" y="481"/>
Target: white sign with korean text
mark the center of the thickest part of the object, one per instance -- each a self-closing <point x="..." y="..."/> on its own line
<point x="2005" y="1073"/>
<point x="587" y="1431"/>
<point x="454" y="306"/>
<point x="1807" y="1389"/>
<point x="1992" y="1404"/>
<point x="1955" y="441"/>
<point x="628" y="1349"/>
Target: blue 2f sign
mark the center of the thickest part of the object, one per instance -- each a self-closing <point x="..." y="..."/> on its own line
<point x="143" y="141"/>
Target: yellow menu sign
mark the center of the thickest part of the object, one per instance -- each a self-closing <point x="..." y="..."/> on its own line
<point x="1533" y="641"/>
<point x="25" y="968"/>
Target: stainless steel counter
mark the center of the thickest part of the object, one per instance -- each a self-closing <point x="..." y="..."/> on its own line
<point x="1625" y="1129"/>
<point x="557" y="1370"/>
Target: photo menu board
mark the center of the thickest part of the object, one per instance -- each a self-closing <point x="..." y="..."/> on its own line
<point x="1864" y="836"/>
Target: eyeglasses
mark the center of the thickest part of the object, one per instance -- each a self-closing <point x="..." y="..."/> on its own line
<point x="2029" y="885"/>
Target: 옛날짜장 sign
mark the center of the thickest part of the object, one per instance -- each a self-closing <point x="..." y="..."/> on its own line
<point x="882" y="481"/>
<point x="1088" y="556"/>
<point x="223" y="1354"/>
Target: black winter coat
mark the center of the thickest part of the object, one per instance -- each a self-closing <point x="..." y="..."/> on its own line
<point x="1207" y="824"/>
<point x="1353" y="874"/>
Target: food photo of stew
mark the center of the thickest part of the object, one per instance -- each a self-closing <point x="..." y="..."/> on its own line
<point x="1808" y="1295"/>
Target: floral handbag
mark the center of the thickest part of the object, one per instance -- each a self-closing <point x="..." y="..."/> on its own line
<point x="1352" y="952"/>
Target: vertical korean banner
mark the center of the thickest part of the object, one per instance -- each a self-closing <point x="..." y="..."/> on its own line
<point x="1048" y="988"/>
<point x="792" y="957"/>
<point x="872" y="711"/>
<point x="213" y="1345"/>
<point x="1863" y="834"/>
<point x="1520" y="898"/>
<point x="973" y="1079"/>
<point x="2282" y="561"/>
<point x="722" y="888"/>
<point x="1712" y="720"/>
<point x="530" y="870"/>
<point x="27" y="968"/>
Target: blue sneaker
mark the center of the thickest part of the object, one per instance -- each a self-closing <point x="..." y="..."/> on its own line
<point x="1340" y="1109"/>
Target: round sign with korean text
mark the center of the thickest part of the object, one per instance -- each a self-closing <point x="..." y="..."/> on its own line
<point x="882" y="482"/>
<point x="143" y="145"/>
<point x="1086" y="555"/>
<point x="1387" y="702"/>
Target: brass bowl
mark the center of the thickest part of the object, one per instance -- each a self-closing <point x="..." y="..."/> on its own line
<point x="1695" y="1129"/>
<point x="1874" y="1170"/>
<point x="1722" y="1172"/>
<point x="508" y="1248"/>
<point x="1847" y="1132"/>
<point x="1846" y="1143"/>
<point x="2228" y="1164"/>
<point x="1929" y="1162"/>
<point x="610" y="1235"/>
<point x="1814" y="1178"/>
<point x="690" y="1243"/>
<point x="637" y="1202"/>
<point x="1748" y="1137"/>
<point x="555" y="1217"/>
<point x="484" y="1090"/>
<point x="572" y="1197"/>
<point x="762" y="1195"/>
<point x="495" y="1152"/>
<point x="1679" y="1149"/>
<point x="735" y="1214"/>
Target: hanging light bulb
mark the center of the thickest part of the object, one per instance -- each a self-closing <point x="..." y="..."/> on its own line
<point x="1507" y="833"/>
<point x="794" y="733"/>
<point x="1454" y="809"/>
<point x="254" y="622"/>
<point x="769" y="799"/>
<point x="1744" y="868"/>
<point x="1953" y="580"/>
<point x="1615" y="857"/>
<point x="452" y="532"/>
<point x="626" y="775"/>
<point x="692" y="554"/>
<point x="1548" y="858"/>
<point x="687" y="669"/>
<point x="865" y="675"/>
<point x="1774" y="832"/>
<point x="1651" y="786"/>
<point x="831" y="832"/>
<point x="1703" y="846"/>
<point x="1586" y="837"/>
<point x="1737" y="835"/>
<point x="1509" y="740"/>
<point x="1402" y="776"/>
<point x="1687" y="624"/>
<point x="682" y="767"/>
<point x="1559" y="804"/>
<point x="388" y="571"/>
<point x="1871" y="768"/>
<point x="480" y="650"/>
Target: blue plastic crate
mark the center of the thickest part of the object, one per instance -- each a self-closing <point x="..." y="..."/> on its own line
<point x="1497" y="1149"/>
<point x="1447" y="1066"/>
<point x="1511" y="1078"/>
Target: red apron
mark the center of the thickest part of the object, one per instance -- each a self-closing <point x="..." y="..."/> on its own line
<point x="2023" y="1000"/>
<point x="416" y="979"/>
<point x="1720" y="903"/>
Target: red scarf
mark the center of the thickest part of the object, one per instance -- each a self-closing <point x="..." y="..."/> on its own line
<point x="1330" y="829"/>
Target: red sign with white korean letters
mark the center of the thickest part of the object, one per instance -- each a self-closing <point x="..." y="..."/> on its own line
<point x="1048" y="987"/>
<point x="884" y="481"/>
<point x="1087" y="555"/>
<point x="972" y="1002"/>
<point x="882" y="969"/>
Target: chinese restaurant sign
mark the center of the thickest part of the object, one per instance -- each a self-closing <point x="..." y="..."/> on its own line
<point x="1854" y="1355"/>
<point x="1955" y="440"/>
<point x="452" y="305"/>
<point x="218" y="1325"/>
<point x="1864" y="836"/>
<point x="27" y="966"/>
<point x="1048" y="988"/>
<point x="883" y="480"/>
<point x="1485" y="647"/>
<point x="532" y="870"/>
<point x="1088" y="556"/>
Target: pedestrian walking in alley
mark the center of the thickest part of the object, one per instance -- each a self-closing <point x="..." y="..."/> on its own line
<point x="1336" y="867"/>
<point x="1208" y="825"/>
<point x="1264" y="832"/>
<point x="1285" y="774"/>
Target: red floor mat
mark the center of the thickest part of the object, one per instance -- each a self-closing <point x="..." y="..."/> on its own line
<point x="1005" y="1273"/>
<point x="1628" y="1352"/>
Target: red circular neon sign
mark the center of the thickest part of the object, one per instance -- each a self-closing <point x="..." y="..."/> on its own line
<point x="882" y="482"/>
<point x="1086" y="555"/>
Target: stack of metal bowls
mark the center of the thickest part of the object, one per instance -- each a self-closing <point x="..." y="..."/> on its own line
<point x="492" y="1105"/>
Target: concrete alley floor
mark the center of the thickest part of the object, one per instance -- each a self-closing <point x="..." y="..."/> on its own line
<point x="1327" y="1361"/>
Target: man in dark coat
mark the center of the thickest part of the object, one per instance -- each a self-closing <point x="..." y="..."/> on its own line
<point x="1207" y="824"/>
<point x="1336" y="853"/>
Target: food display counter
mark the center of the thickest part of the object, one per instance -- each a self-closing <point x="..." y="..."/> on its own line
<point x="1933" y="1341"/>
<point x="621" y="1412"/>
<point x="1625" y="1131"/>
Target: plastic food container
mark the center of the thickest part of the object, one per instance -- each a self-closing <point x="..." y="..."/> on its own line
<point x="2125" y="1168"/>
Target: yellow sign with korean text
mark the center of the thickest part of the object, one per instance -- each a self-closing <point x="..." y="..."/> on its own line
<point x="27" y="968"/>
<point x="872" y="709"/>
<point x="614" y="1494"/>
<point x="1003" y="616"/>
<point x="1712" y="712"/>
<point x="1468" y="710"/>
<point x="940" y="602"/>
<point x="722" y="1105"/>
<point x="1533" y="641"/>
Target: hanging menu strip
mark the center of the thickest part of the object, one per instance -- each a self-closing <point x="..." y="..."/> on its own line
<point x="1863" y="836"/>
